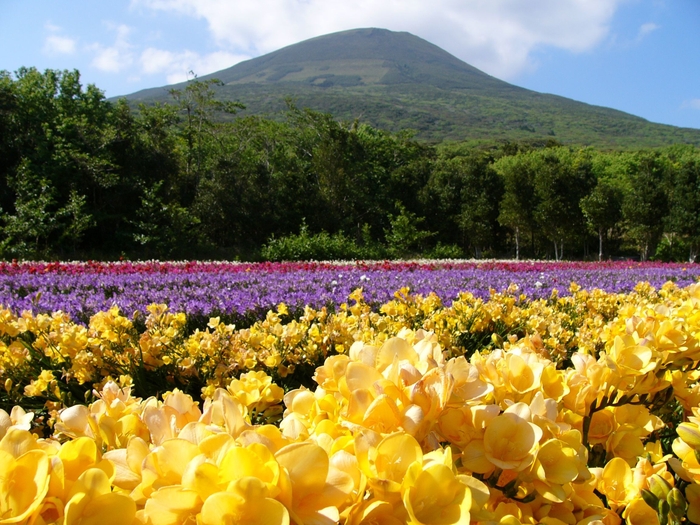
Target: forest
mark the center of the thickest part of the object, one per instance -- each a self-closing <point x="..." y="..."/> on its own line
<point x="83" y="177"/>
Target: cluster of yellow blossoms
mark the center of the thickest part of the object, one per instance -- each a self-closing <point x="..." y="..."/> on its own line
<point x="582" y="410"/>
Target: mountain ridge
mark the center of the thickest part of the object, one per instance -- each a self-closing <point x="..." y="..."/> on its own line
<point x="396" y="80"/>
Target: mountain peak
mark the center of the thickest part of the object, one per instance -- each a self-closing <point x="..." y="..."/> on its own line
<point x="396" y="80"/>
<point x="360" y="57"/>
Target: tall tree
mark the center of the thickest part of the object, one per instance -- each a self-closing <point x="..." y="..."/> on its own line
<point x="602" y="209"/>
<point x="519" y="199"/>
<point x="562" y="178"/>
<point x="683" y="219"/>
<point x="645" y="204"/>
<point x="466" y="191"/>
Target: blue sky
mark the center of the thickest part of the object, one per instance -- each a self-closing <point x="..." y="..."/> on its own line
<point x="638" y="56"/>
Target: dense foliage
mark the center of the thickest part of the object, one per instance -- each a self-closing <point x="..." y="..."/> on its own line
<point x="86" y="178"/>
<point x="577" y="410"/>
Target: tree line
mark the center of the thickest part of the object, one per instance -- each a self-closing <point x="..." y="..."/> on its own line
<point x="82" y="177"/>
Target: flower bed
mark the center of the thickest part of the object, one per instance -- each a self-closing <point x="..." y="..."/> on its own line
<point x="575" y="409"/>
<point x="243" y="293"/>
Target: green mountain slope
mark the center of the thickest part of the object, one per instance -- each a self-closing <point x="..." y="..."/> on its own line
<point x="395" y="81"/>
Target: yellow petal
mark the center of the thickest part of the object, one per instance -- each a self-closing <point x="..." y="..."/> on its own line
<point x="202" y="477"/>
<point x="77" y="456"/>
<point x="172" y="506"/>
<point x="92" y="483"/>
<point x="307" y="465"/>
<point x="234" y="509"/>
<point x="18" y="442"/>
<point x="113" y="508"/>
<point x="23" y="484"/>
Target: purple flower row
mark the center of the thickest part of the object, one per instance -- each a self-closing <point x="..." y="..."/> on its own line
<point x="251" y="293"/>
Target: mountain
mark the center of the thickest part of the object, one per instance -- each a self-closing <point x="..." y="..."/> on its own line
<point x="395" y="80"/>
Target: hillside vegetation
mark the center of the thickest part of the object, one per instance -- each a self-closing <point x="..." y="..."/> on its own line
<point x="86" y="178"/>
<point x="396" y="81"/>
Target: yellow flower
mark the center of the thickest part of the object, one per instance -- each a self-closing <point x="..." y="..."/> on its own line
<point x="91" y="502"/>
<point x="436" y="495"/>
<point x="375" y="511"/>
<point x="626" y="443"/>
<point x="40" y="385"/>
<point x="17" y="418"/>
<point x="557" y="464"/>
<point x="127" y="462"/>
<point x="602" y="426"/>
<point x="617" y="483"/>
<point x="174" y="505"/>
<point x="631" y="357"/>
<point x="254" y="460"/>
<point x="386" y="463"/>
<point x="312" y="488"/>
<point x="246" y="502"/>
<point x="165" y="465"/>
<point x="256" y="391"/>
<point x="511" y="440"/>
<point x="692" y="496"/>
<point x="24" y="481"/>
<point x="639" y="513"/>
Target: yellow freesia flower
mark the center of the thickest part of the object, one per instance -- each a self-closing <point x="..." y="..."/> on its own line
<point x="511" y="440"/>
<point x="173" y="505"/>
<point x="17" y="418"/>
<point x="312" y="488"/>
<point x="692" y="496"/>
<point x="386" y="462"/>
<point x="617" y="483"/>
<point x="254" y="460"/>
<point x="435" y="495"/>
<point x="24" y="481"/>
<point x="246" y="502"/>
<point x="91" y="502"/>
<point x="375" y="511"/>
<point x="128" y="462"/>
<point x="557" y="464"/>
<point x="256" y="391"/>
<point x="639" y="513"/>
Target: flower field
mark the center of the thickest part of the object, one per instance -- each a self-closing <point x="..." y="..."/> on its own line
<point x="514" y="393"/>
<point x="245" y="292"/>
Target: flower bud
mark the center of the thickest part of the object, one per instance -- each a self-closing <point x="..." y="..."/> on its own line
<point x="659" y="486"/>
<point x="689" y="433"/>
<point x="677" y="502"/>
<point x="650" y="499"/>
<point x="663" y="509"/>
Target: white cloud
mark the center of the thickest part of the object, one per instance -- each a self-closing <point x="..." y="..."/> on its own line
<point x="55" y="44"/>
<point x="118" y="56"/>
<point x="497" y="36"/>
<point x="59" y="45"/>
<point x="177" y="66"/>
<point x="694" y="103"/>
<point x="646" y="29"/>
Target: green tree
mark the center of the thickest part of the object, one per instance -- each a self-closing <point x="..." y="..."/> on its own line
<point x="58" y="145"/>
<point x="404" y="237"/>
<point x="202" y="129"/>
<point x="466" y="190"/>
<point x="518" y="200"/>
<point x="645" y="203"/>
<point x="602" y="209"/>
<point x="562" y="178"/>
<point x="683" y="219"/>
